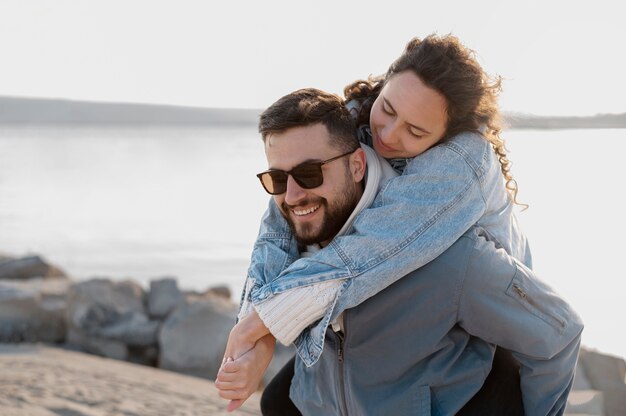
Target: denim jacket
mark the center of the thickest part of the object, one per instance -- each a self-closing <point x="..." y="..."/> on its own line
<point x="424" y="345"/>
<point x="414" y="218"/>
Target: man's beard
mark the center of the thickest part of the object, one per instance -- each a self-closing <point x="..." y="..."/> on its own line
<point x="335" y="216"/>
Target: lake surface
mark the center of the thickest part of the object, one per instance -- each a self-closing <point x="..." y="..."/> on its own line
<point x="185" y="202"/>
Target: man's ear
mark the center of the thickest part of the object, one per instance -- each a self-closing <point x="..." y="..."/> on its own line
<point x="358" y="162"/>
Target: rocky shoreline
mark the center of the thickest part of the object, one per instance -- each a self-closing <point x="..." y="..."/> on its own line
<point x="163" y="326"/>
<point x="186" y="331"/>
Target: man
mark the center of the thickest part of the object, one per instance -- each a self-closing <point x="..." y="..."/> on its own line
<point x="426" y="343"/>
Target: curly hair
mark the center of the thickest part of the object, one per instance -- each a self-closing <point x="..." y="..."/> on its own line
<point x="450" y="68"/>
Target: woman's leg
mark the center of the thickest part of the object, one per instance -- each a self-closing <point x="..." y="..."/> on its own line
<point x="275" y="400"/>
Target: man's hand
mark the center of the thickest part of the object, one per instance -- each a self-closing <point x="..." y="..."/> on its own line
<point x="244" y="336"/>
<point x="237" y="380"/>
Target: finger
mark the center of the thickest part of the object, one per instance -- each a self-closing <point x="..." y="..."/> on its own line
<point x="230" y="385"/>
<point x="233" y="394"/>
<point x="221" y="366"/>
<point x="232" y="366"/>
<point x="224" y="376"/>
<point x="224" y="385"/>
<point x="233" y="384"/>
<point x="234" y="405"/>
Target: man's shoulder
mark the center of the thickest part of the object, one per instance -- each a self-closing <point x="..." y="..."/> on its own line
<point x="487" y="259"/>
<point x="463" y="244"/>
<point x="453" y="261"/>
<point x="472" y="244"/>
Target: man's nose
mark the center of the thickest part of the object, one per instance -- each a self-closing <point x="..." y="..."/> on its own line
<point x="295" y="193"/>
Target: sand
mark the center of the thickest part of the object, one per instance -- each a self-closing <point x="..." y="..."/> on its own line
<point x="37" y="380"/>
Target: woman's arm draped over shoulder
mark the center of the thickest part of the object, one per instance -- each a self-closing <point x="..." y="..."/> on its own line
<point x="274" y="250"/>
<point x="414" y="218"/>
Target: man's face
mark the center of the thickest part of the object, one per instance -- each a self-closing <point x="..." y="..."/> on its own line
<point x="315" y="215"/>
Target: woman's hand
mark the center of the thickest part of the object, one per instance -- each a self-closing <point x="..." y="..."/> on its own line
<point x="237" y="380"/>
<point x="244" y="336"/>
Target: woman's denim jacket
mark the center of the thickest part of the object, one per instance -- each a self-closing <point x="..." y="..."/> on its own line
<point x="414" y="218"/>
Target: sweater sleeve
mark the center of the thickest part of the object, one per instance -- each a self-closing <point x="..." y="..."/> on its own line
<point x="287" y="314"/>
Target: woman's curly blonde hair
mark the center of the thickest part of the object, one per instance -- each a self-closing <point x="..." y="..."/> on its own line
<point x="444" y="64"/>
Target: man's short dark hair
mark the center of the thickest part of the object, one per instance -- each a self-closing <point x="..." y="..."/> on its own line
<point x="310" y="106"/>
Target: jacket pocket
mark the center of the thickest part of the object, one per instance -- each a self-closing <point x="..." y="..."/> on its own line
<point x="537" y="298"/>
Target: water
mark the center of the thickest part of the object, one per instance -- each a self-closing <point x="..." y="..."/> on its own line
<point x="185" y="203"/>
<point x="134" y="203"/>
<point x="574" y="181"/>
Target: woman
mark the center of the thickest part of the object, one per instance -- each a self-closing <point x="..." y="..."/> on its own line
<point x="435" y="96"/>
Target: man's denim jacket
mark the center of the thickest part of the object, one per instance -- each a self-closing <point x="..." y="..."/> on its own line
<point x="414" y="218"/>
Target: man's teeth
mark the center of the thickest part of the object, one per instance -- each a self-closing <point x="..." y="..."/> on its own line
<point x="306" y="211"/>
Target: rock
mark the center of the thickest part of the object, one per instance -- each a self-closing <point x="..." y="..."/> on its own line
<point x="615" y="401"/>
<point x="27" y="268"/>
<point x="193" y="338"/>
<point x="97" y="303"/>
<point x="135" y="330"/>
<point x="97" y="345"/>
<point x="222" y="291"/>
<point x="164" y="296"/>
<point x="107" y="317"/>
<point x="603" y="371"/>
<point x="580" y="379"/>
<point x="219" y="291"/>
<point x="33" y="311"/>
<point x="586" y="402"/>
<point x="144" y="355"/>
<point x="607" y="374"/>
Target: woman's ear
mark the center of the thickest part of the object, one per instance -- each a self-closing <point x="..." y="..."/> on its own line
<point x="358" y="162"/>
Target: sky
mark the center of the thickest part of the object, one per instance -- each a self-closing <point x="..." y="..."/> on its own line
<point x="556" y="57"/>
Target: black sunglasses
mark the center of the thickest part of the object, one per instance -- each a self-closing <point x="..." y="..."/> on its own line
<point x="308" y="175"/>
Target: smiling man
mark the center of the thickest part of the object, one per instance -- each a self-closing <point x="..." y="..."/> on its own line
<point x="314" y="214"/>
<point x="424" y="345"/>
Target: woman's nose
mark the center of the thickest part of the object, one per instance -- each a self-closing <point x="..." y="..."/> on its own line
<point x="295" y="193"/>
<point x="388" y="134"/>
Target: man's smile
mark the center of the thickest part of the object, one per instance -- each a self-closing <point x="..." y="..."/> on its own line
<point x="302" y="212"/>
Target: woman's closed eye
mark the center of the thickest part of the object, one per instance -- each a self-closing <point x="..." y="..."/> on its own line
<point x="387" y="109"/>
<point x="418" y="134"/>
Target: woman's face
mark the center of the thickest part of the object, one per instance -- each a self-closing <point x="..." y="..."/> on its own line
<point x="407" y="118"/>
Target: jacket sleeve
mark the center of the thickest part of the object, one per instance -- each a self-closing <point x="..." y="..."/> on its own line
<point x="413" y="219"/>
<point x="274" y="249"/>
<point x="505" y="303"/>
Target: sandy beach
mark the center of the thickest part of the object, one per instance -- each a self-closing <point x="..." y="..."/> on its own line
<point x="37" y="380"/>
